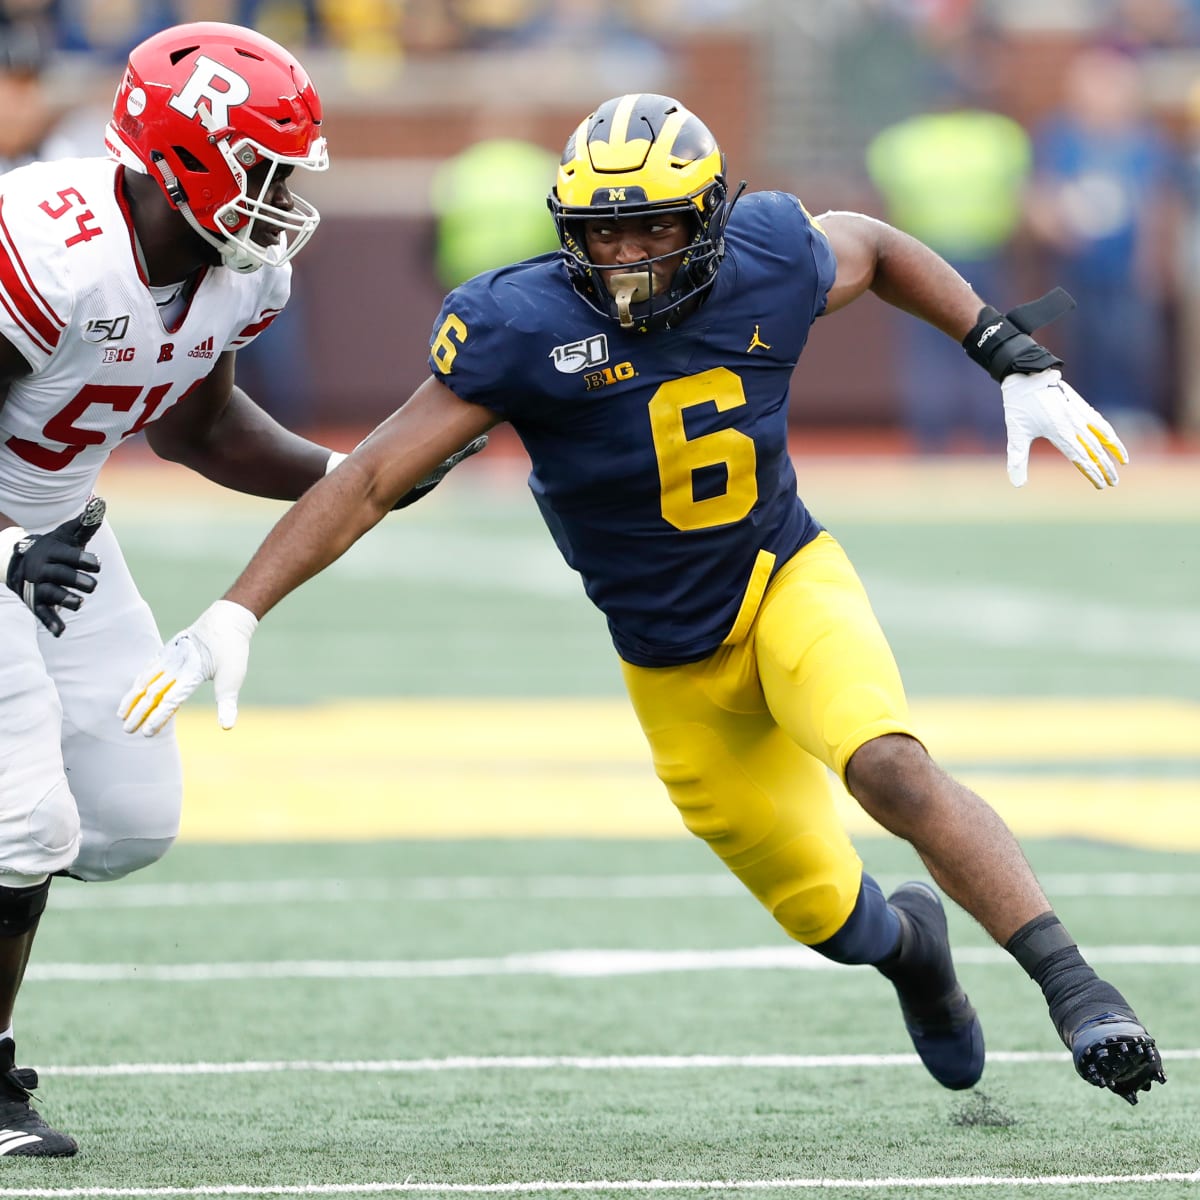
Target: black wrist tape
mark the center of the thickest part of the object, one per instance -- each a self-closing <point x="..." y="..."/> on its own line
<point x="1002" y="349"/>
<point x="1037" y="940"/>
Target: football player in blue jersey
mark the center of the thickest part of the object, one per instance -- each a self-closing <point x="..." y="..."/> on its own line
<point x="646" y="369"/>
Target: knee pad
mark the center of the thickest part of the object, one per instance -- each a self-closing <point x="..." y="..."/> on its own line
<point x="813" y="908"/>
<point x="127" y="826"/>
<point x="869" y="934"/>
<point x="20" y="907"/>
<point x="113" y="860"/>
<point x="765" y="808"/>
<point x="40" y="838"/>
<point x="54" y="825"/>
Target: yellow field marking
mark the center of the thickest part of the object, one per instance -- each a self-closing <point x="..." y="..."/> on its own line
<point x="580" y="768"/>
<point x="1060" y="730"/>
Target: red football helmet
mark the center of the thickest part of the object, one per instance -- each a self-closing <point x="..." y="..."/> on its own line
<point x="200" y="106"/>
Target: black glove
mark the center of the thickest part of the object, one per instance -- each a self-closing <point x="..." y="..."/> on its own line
<point x="50" y="570"/>
<point x="440" y="472"/>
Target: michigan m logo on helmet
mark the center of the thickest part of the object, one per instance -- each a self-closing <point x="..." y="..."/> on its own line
<point x="636" y="156"/>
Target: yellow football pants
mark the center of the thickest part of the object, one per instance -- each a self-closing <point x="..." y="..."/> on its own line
<point x="745" y="738"/>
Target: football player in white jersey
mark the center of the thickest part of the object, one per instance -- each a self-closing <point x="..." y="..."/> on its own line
<point x="127" y="284"/>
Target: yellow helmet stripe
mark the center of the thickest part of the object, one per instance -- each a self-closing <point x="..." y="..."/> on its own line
<point x="615" y="150"/>
<point x="620" y="121"/>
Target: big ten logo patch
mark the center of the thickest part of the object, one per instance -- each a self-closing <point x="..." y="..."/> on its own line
<point x="609" y="375"/>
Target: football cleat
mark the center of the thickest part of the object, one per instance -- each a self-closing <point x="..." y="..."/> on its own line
<point x="941" y="1021"/>
<point x="22" y="1130"/>
<point x="1114" y="1051"/>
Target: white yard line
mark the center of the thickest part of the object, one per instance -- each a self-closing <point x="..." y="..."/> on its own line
<point x="978" y="613"/>
<point x="571" y="964"/>
<point x="536" y="1187"/>
<point x="555" y="1062"/>
<point x="442" y="889"/>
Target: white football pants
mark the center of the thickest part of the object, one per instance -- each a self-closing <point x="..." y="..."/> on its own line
<point x="76" y="792"/>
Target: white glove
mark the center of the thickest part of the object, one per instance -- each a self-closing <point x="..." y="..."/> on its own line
<point x="1042" y="405"/>
<point x="215" y="646"/>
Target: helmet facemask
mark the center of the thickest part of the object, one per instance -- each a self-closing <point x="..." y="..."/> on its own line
<point x="626" y="293"/>
<point x="240" y="218"/>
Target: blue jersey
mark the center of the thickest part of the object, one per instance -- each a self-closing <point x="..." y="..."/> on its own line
<point x="660" y="459"/>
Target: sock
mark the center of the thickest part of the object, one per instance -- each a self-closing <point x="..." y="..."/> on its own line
<point x="1074" y="992"/>
<point x="920" y="968"/>
<point x="871" y="931"/>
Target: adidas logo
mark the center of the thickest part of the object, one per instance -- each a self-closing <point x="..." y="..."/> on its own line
<point x="203" y="350"/>
<point x="11" y="1140"/>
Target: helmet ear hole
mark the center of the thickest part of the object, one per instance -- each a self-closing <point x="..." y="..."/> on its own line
<point x="189" y="160"/>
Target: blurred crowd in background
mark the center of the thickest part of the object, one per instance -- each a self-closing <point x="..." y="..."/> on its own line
<point x="375" y="28"/>
<point x="1031" y="143"/>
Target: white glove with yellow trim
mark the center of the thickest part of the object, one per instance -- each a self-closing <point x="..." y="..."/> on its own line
<point x="215" y="646"/>
<point x="1043" y="405"/>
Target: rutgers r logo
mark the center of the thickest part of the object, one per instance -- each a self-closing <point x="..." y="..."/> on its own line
<point x="215" y="83"/>
<point x="166" y="352"/>
<point x="615" y="194"/>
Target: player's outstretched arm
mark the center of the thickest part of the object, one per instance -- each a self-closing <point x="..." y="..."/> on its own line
<point x="313" y="533"/>
<point x="873" y="256"/>
<point x="220" y="432"/>
<point x="426" y="485"/>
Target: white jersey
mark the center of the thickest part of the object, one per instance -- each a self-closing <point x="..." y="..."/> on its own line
<point x="76" y="303"/>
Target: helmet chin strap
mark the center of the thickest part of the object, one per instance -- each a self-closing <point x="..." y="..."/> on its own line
<point x="628" y="288"/>
<point x="230" y="251"/>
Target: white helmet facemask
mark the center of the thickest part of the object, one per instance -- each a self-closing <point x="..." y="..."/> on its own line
<point x="292" y="227"/>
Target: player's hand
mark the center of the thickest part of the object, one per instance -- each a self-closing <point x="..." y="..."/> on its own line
<point x="215" y="646"/>
<point x="53" y="570"/>
<point x="440" y="472"/>
<point x="1043" y="405"/>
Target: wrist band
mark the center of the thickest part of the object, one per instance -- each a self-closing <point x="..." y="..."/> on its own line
<point x="10" y="537"/>
<point x="1001" y="344"/>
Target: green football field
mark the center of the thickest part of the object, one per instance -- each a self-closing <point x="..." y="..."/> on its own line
<point x="433" y="927"/>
